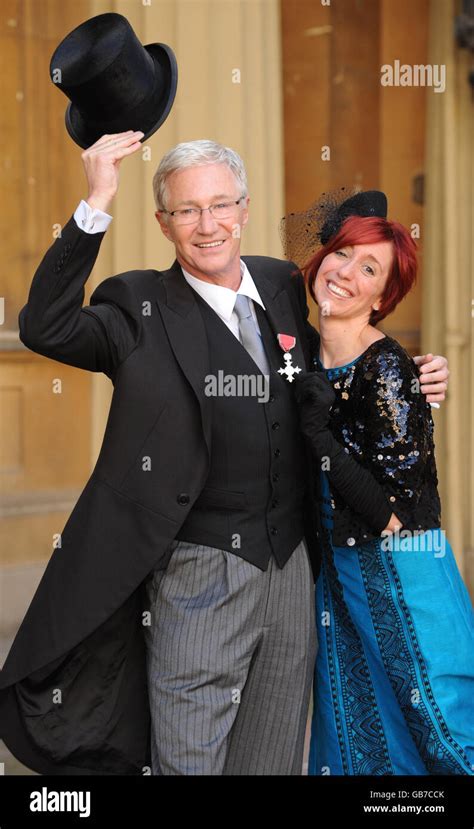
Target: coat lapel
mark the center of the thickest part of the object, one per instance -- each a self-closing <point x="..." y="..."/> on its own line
<point x="187" y="336"/>
<point x="279" y="310"/>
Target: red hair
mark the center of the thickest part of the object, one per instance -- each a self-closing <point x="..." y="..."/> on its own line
<point x="365" y="230"/>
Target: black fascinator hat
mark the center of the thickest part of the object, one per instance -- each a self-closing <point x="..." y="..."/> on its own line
<point x="113" y="82"/>
<point x="302" y="233"/>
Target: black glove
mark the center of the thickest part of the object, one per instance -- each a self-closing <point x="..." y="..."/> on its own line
<point x="314" y="396"/>
<point x="356" y="485"/>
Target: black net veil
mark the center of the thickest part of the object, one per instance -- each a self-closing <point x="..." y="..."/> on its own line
<point x="303" y="233"/>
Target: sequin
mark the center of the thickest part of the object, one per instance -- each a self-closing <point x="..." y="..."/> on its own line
<point x="388" y="428"/>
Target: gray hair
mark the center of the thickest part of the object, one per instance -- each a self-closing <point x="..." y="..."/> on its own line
<point x="194" y="154"/>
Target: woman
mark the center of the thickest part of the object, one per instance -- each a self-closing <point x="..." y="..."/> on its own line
<point x="394" y="676"/>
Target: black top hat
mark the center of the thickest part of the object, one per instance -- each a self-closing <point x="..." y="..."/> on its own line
<point x="113" y="82"/>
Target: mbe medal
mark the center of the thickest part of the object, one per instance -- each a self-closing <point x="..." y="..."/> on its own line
<point x="287" y="342"/>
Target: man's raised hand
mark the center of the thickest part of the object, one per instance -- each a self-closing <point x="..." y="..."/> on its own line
<point x="101" y="163"/>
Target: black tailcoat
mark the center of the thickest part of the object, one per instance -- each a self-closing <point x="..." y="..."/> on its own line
<point x="73" y="689"/>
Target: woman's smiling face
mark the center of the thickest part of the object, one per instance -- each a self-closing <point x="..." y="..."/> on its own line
<point x="351" y="280"/>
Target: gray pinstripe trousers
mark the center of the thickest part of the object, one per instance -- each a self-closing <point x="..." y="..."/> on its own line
<point x="230" y="660"/>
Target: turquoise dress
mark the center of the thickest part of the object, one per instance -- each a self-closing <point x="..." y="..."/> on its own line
<point x="394" y="677"/>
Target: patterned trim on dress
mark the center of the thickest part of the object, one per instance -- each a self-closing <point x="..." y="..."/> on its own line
<point x="399" y="649"/>
<point x="365" y="734"/>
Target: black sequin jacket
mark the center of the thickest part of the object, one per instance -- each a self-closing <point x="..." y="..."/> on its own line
<point x="383" y="419"/>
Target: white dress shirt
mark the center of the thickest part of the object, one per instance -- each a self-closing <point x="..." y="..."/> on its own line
<point x="91" y="219"/>
<point x="220" y="299"/>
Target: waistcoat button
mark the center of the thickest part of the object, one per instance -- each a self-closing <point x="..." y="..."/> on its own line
<point x="183" y="499"/>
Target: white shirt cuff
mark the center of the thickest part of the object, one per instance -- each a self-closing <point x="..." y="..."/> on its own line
<point x="91" y="219"/>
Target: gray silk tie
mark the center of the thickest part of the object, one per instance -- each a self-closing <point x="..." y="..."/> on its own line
<point x="251" y="339"/>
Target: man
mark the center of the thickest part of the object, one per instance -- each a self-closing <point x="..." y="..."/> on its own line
<point x="176" y="623"/>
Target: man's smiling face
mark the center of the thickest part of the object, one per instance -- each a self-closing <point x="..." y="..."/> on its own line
<point x="208" y="249"/>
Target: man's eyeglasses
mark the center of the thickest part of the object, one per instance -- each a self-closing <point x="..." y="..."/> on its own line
<point x="191" y="215"/>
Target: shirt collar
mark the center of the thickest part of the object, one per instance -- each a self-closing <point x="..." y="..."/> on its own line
<point x="220" y="298"/>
